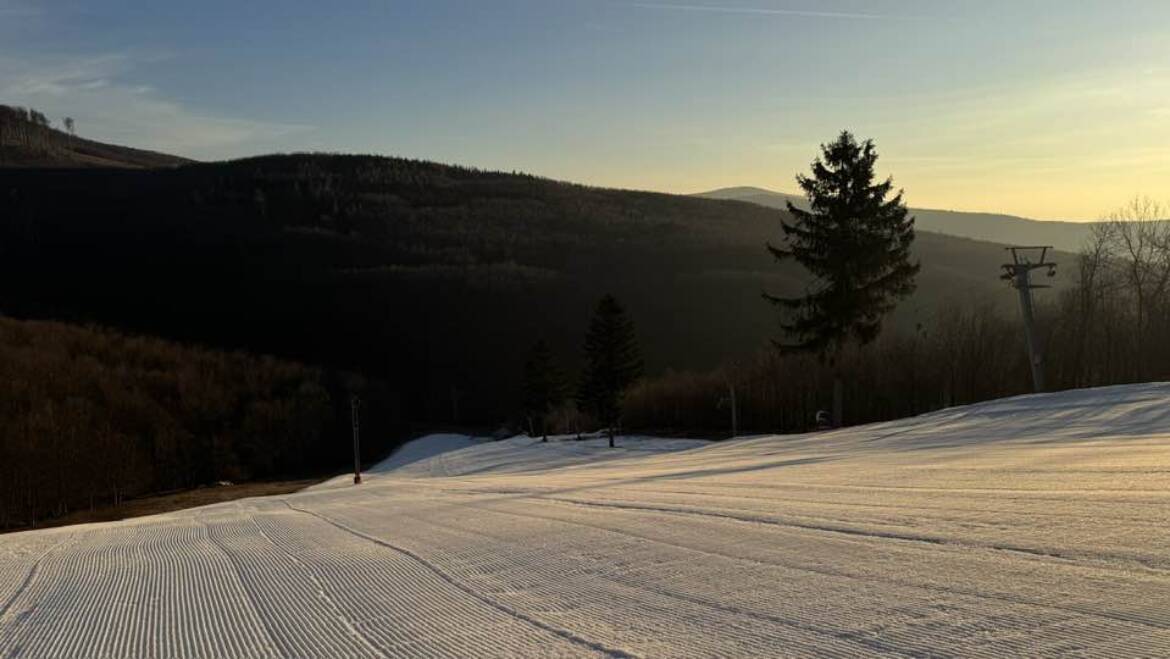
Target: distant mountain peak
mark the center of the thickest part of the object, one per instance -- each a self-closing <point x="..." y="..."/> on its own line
<point x="721" y="193"/>
<point x="993" y="227"/>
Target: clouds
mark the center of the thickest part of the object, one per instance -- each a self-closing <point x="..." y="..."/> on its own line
<point x="22" y="79"/>
<point x="1067" y="147"/>
<point x="109" y="105"/>
<point x="13" y="9"/>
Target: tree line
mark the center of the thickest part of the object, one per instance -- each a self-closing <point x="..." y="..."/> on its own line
<point x="28" y="138"/>
<point x="30" y="129"/>
<point x="612" y="363"/>
<point x="1114" y="326"/>
<point x="1111" y="326"/>
<point x="854" y="244"/>
<point x="395" y="267"/>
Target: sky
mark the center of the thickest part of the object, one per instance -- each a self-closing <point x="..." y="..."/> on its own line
<point x="1052" y="109"/>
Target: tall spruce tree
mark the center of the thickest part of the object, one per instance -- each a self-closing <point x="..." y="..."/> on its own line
<point x="856" y="243"/>
<point x="544" y="386"/>
<point x="612" y="363"/>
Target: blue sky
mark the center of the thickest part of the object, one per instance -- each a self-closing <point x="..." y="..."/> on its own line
<point x="1045" y="108"/>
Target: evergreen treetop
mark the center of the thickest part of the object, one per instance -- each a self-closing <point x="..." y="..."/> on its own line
<point x="854" y="241"/>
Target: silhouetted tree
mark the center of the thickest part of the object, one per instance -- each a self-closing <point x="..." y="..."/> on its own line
<point x="612" y="362"/>
<point x="544" y="386"/>
<point x="856" y="243"/>
<point x="69" y="125"/>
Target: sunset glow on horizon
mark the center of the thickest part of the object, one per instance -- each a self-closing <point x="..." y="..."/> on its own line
<point x="1029" y="109"/>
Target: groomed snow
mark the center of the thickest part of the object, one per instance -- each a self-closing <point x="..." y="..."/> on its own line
<point x="1033" y="526"/>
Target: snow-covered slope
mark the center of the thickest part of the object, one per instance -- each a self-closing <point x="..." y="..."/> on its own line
<point x="1033" y="526"/>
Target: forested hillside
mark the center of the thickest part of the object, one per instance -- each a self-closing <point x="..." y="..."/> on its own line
<point x="89" y="417"/>
<point x="437" y="278"/>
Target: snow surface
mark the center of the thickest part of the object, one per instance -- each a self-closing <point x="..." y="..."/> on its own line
<point x="1032" y="526"/>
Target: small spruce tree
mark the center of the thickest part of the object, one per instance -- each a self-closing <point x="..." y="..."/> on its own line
<point x="612" y="363"/>
<point x="544" y="386"/>
<point x="856" y="243"/>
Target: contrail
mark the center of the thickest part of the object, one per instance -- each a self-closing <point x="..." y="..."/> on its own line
<point x="759" y="10"/>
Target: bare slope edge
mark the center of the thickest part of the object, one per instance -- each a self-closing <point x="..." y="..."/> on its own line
<point x="27" y="140"/>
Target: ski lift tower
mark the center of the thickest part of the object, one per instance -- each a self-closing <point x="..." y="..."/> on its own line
<point x="1019" y="274"/>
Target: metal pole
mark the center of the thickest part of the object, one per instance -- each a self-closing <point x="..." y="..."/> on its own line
<point x="734" y="412"/>
<point x="455" y="404"/>
<point x="354" y="404"/>
<point x="1019" y="273"/>
<point x="1035" y="358"/>
<point x="838" y="401"/>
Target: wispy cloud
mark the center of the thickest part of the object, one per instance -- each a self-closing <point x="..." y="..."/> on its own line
<point x="594" y="26"/>
<point x="99" y="93"/>
<point x="715" y="9"/>
<point x="14" y="9"/>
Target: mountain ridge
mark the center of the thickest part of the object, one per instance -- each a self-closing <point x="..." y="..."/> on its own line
<point x="991" y="227"/>
<point x="395" y="266"/>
